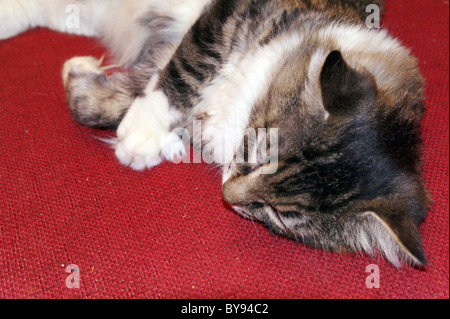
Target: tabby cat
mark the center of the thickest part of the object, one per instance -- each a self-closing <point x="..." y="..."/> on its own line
<point x="346" y="102"/>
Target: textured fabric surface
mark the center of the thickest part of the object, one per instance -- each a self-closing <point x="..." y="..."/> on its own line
<point x="166" y="233"/>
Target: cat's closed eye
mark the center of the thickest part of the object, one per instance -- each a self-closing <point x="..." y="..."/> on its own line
<point x="255" y="205"/>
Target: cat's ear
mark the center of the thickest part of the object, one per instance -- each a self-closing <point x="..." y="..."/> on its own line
<point x="344" y="89"/>
<point x="390" y="229"/>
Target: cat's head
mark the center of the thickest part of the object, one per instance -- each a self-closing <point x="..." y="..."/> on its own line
<point x="348" y="173"/>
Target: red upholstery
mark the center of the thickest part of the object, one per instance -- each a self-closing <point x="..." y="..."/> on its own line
<point x="166" y="233"/>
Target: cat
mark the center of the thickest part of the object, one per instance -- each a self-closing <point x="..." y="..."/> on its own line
<point x="346" y="102"/>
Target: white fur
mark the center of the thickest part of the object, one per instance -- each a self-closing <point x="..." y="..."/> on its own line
<point x="115" y="21"/>
<point x="358" y="38"/>
<point x="14" y="17"/>
<point x="312" y="95"/>
<point x="17" y="16"/>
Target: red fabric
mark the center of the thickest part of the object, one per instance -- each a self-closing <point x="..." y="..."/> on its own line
<point x="166" y="233"/>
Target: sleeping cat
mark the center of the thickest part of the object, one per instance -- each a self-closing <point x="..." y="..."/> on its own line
<point x="346" y="102"/>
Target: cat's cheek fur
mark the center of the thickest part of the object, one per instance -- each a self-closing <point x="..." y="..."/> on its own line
<point x="143" y="137"/>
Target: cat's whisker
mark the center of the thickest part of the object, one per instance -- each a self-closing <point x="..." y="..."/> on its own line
<point x="256" y="229"/>
<point x="112" y="141"/>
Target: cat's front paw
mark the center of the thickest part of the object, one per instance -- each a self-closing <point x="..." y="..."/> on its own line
<point x="142" y="142"/>
<point x="142" y="150"/>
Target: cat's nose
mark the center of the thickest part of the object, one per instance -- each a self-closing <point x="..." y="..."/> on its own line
<point x="237" y="192"/>
<point x="231" y="194"/>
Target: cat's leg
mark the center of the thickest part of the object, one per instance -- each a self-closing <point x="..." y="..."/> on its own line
<point x="144" y="138"/>
<point x="76" y="17"/>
